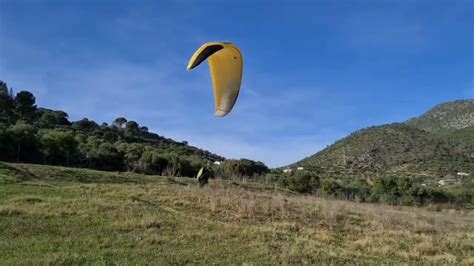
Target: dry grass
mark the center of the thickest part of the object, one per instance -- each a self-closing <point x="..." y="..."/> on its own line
<point x="349" y="229"/>
<point x="171" y="221"/>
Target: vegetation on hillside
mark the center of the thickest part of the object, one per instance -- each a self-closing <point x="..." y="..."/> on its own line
<point x="391" y="189"/>
<point x="445" y="117"/>
<point x="396" y="149"/>
<point x="437" y="144"/>
<point x="396" y="164"/>
<point x="38" y="135"/>
<point x="399" y="163"/>
<point x="58" y="215"/>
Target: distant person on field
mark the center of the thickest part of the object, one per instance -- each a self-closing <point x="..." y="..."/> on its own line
<point x="203" y="176"/>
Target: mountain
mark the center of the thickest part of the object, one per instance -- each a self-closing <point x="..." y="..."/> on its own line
<point x="433" y="145"/>
<point x="446" y="117"/>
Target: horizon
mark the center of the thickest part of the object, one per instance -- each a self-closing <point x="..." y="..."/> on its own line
<point x="103" y="61"/>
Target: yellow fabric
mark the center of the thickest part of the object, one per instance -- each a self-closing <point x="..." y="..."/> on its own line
<point x="226" y="67"/>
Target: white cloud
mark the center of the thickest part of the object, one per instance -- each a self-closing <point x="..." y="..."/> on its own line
<point x="271" y="122"/>
<point x="263" y="126"/>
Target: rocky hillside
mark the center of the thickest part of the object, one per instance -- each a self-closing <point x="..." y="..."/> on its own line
<point x="446" y="117"/>
<point x="433" y="145"/>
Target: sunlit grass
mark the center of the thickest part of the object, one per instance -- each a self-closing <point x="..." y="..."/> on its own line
<point x="74" y="216"/>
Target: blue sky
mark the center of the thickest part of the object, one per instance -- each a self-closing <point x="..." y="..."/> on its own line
<point x="314" y="71"/>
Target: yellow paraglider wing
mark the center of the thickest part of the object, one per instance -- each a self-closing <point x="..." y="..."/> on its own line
<point x="226" y="65"/>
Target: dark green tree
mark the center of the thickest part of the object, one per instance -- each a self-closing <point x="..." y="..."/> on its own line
<point x="58" y="146"/>
<point x="132" y="152"/>
<point x="7" y="145"/>
<point x="51" y="119"/>
<point x="24" y="138"/>
<point x="331" y="187"/>
<point x="85" y="125"/>
<point x="3" y="87"/>
<point x="119" y="122"/>
<point x="6" y="104"/>
<point x="151" y="162"/>
<point x="300" y="181"/>
<point x="25" y="105"/>
<point x="131" y="129"/>
<point x="243" y="168"/>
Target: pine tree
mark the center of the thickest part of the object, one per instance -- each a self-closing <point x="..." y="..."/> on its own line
<point x="25" y="105"/>
<point x="6" y="104"/>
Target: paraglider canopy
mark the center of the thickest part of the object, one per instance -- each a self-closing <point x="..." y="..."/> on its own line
<point x="226" y="66"/>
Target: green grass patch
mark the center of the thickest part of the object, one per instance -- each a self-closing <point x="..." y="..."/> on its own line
<point x="56" y="215"/>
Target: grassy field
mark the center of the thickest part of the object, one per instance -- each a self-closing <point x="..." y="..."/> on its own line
<point x="55" y="215"/>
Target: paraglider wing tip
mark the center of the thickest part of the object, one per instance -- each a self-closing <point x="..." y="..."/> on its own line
<point x="189" y="66"/>
<point x="220" y="113"/>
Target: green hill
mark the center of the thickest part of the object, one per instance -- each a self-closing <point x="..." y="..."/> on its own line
<point x="446" y="117"/>
<point x="53" y="215"/>
<point x="32" y="134"/>
<point x="429" y="147"/>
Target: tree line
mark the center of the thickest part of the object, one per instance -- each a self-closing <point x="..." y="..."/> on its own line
<point x="31" y="134"/>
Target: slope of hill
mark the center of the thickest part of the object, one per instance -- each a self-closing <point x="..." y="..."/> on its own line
<point x="66" y="216"/>
<point x="446" y="117"/>
<point x="436" y="144"/>
<point x="32" y="134"/>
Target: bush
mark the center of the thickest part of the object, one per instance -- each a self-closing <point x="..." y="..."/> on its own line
<point x="299" y="181"/>
<point x="330" y="187"/>
<point x="242" y="168"/>
<point x="360" y="191"/>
